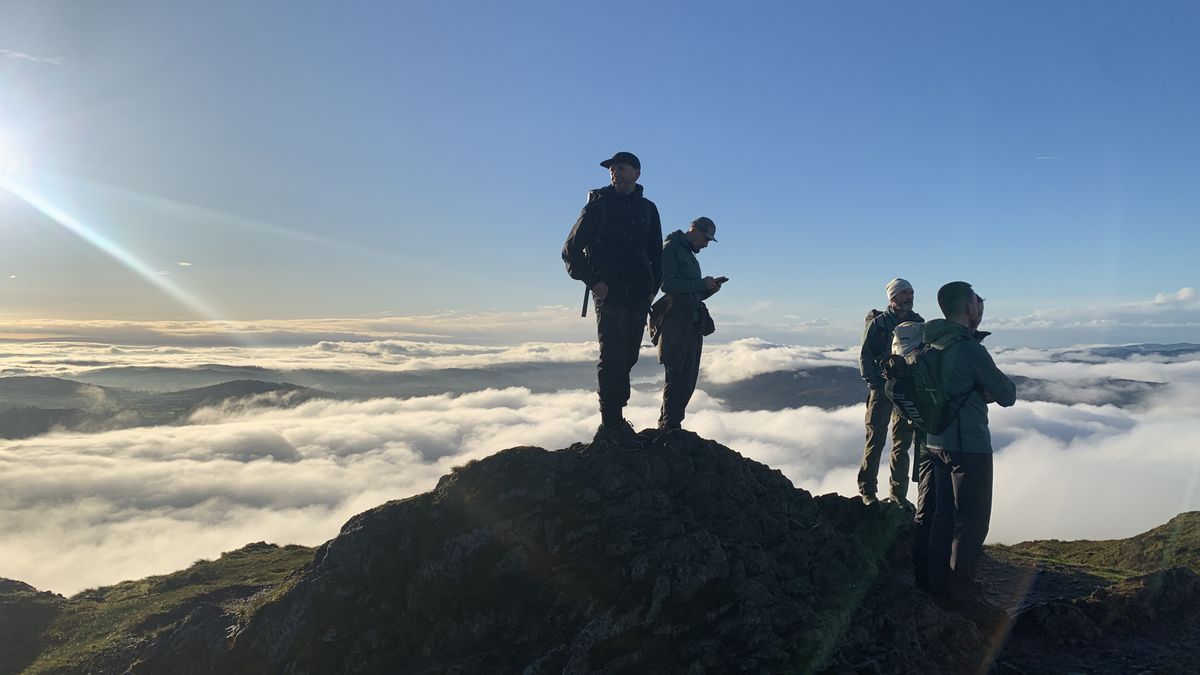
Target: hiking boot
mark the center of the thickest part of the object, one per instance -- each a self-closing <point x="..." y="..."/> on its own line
<point x="903" y="503"/>
<point x="620" y="433"/>
<point x="868" y="498"/>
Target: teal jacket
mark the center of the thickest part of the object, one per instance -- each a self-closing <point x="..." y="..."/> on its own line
<point x="681" y="278"/>
<point x="967" y="370"/>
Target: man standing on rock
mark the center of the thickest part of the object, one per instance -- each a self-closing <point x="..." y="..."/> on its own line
<point x="962" y="453"/>
<point x="876" y="346"/>
<point x="615" y="249"/>
<point x="680" y="320"/>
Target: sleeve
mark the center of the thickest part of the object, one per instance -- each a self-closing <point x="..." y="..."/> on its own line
<point x="868" y="367"/>
<point x="671" y="281"/>
<point x="654" y="248"/>
<point x="991" y="380"/>
<point x="583" y="234"/>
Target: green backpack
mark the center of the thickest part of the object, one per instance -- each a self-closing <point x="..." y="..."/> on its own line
<point x="917" y="391"/>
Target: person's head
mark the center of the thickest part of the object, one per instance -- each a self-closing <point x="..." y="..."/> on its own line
<point x="900" y="295"/>
<point x="624" y="168"/>
<point x="702" y="231"/>
<point x="961" y="304"/>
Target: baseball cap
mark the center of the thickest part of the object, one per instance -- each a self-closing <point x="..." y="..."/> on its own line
<point x="707" y="226"/>
<point x="623" y="158"/>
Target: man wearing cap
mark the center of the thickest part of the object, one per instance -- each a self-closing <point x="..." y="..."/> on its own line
<point x="685" y="319"/>
<point x="615" y="249"/>
<point x="876" y="346"/>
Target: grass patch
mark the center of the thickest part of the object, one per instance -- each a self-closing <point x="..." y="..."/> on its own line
<point x="107" y="620"/>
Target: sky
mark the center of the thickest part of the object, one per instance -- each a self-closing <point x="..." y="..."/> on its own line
<point x="387" y="186"/>
<point x="298" y="161"/>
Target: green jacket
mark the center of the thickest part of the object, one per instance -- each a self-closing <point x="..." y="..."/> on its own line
<point x="967" y="370"/>
<point x="681" y="278"/>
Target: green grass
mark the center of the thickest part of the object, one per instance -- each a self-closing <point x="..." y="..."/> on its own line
<point x="1175" y="544"/>
<point x="100" y="621"/>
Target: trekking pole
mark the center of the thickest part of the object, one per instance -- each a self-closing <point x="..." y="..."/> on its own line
<point x="583" y="312"/>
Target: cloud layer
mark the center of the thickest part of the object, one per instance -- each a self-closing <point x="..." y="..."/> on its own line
<point x="80" y="510"/>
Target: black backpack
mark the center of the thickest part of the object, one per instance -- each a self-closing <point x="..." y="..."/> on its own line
<point x="917" y="390"/>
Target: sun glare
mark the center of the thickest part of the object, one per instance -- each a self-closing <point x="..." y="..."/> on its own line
<point x="13" y="159"/>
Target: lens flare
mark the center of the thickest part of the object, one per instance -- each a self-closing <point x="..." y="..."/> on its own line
<point x="108" y="246"/>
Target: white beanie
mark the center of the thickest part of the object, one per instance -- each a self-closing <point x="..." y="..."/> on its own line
<point x="895" y="286"/>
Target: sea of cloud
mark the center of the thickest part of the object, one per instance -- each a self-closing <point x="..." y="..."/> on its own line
<point x="80" y="510"/>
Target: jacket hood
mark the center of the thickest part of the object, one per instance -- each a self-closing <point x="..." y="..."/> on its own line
<point x="677" y="237"/>
<point x="941" y="333"/>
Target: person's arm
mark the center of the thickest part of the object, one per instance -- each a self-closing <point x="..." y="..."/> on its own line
<point x="583" y="234"/>
<point x="868" y="367"/>
<point x="654" y="248"/>
<point x="995" y="385"/>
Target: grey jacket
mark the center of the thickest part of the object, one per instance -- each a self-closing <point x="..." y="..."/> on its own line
<point x="877" y="344"/>
<point x="967" y="370"/>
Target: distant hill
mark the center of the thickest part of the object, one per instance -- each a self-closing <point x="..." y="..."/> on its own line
<point x="1168" y="351"/>
<point x="1175" y="544"/>
<point x="676" y="556"/>
<point x="832" y="387"/>
<point x="30" y="406"/>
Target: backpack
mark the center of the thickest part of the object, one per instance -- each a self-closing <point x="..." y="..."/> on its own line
<point x="917" y="392"/>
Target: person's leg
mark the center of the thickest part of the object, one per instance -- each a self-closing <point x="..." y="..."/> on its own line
<point x="923" y="519"/>
<point x="879" y="410"/>
<point x="902" y="438"/>
<point x="941" y="536"/>
<point x="612" y="329"/>
<point x="972" y="484"/>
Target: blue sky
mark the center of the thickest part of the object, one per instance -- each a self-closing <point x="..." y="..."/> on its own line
<point x="318" y="160"/>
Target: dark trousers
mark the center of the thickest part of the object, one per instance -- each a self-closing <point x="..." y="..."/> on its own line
<point x="963" y="494"/>
<point x="923" y="518"/>
<point x="620" y="324"/>
<point x="880" y="411"/>
<point x="679" y="349"/>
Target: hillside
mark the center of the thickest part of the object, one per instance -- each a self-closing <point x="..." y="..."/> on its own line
<point x="678" y="556"/>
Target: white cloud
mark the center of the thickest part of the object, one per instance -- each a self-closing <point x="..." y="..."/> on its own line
<point x="1166" y="317"/>
<point x="22" y="56"/>
<point x="746" y="358"/>
<point x="125" y="504"/>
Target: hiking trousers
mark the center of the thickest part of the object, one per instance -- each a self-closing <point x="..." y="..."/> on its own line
<point x="962" y="490"/>
<point x="620" y="325"/>
<point x="679" y="349"/>
<point x="923" y="518"/>
<point x="880" y="411"/>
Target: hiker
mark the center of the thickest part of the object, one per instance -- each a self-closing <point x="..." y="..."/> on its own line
<point x="961" y="454"/>
<point x="876" y="346"/>
<point x="680" y="320"/>
<point x="615" y="248"/>
<point x="907" y="340"/>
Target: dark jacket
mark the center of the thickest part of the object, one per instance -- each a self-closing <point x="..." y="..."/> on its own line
<point x="877" y="343"/>
<point x="967" y="370"/>
<point x="681" y="276"/>
<point x="617" y="239"/>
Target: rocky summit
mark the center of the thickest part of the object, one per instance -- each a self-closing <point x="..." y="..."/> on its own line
<point x="676" y="556"/>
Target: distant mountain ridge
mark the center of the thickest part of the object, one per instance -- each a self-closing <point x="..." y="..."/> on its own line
<point x="30" y="406"/>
